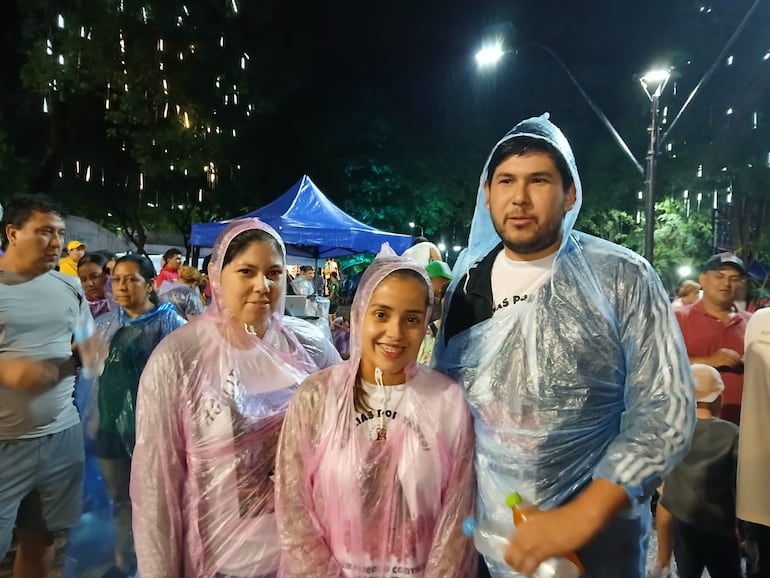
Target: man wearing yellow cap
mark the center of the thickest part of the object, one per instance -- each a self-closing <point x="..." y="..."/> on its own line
<point x="69" y="264"/>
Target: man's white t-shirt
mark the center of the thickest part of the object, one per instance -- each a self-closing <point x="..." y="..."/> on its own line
<point x="514" y="281"/>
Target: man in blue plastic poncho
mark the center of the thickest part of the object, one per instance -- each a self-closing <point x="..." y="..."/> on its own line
<point x="573" y="365"/>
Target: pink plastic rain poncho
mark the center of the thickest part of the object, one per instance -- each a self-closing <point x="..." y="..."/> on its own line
<point x="351" y="507"/>
<point x="211" y="403"/>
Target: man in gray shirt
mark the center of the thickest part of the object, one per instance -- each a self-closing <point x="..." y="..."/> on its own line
<point x="41" y="439"/>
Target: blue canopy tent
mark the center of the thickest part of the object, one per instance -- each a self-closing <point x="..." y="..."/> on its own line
<point x="759" y="271"/>
<point x="310" y="225"/>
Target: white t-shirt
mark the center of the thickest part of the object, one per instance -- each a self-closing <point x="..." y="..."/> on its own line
<point x="514" y="281"/>
<point x="384" y="402"/>
<point x="753" y="497"/>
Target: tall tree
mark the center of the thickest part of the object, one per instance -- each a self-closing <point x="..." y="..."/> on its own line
<point x="158" y="92"/>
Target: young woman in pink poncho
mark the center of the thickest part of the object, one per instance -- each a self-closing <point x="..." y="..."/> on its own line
<point x="374" y="475"/>
<point x="211" y="402"/>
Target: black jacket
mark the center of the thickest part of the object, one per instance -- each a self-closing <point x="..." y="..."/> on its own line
<point x="471" y="302"/>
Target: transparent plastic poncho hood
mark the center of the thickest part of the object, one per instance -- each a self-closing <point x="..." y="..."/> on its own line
<point x="586" y="378"/>
<point x="211" y="403"/>
<point x="483" y="237"/>
<point x="350" y="506"/>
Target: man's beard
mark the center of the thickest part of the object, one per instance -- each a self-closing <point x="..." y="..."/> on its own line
<point x="534" y="245"/>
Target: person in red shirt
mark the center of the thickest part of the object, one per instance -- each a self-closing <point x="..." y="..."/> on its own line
<point x="713" y="328"/>
<point x="170" y="263"/>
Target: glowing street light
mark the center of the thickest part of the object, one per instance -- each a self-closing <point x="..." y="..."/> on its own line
<point x="653" y="83"/>
<point x="490" y="54"/>
<point x="684" y="271"/>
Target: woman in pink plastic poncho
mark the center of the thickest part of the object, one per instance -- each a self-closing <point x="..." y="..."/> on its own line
<point x="374" y="473"/>
<point x="211" y="402"/>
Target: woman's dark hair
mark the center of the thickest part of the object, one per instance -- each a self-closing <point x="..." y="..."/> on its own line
<point x="405" y="274"/>
<point x="242" y="241"/>
<point x="109" y="255"/>
<point x="521" y="145"/>
<point x="146" y="270"/>
<point x="97" y="258"/>
<point x="360" y="398"/>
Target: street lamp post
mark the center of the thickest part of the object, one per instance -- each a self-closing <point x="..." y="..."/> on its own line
<point x="653" y="83"/>
<point x="412" y="226"/>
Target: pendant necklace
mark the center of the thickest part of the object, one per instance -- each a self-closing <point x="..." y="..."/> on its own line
<point x="382" y="430"/>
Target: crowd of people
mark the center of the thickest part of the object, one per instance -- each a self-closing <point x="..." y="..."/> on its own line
<point x="238" y="441"/>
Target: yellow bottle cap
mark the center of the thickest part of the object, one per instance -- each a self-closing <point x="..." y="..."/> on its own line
<point x="513" y="500"/>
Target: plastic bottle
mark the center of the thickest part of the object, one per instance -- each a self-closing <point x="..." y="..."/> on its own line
<point x="88" y="348"/>
<point x="488" y="542"/>
<point x="492" y="543"/>
<point x="565" y="566"/>
<point x="84" y="328"/>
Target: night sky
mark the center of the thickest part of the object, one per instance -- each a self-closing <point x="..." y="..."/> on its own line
<point x="411" y="63"/>
<point x="418" y="58"/>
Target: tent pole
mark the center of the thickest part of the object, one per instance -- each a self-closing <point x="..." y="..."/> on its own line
<point x="317" y="255"/>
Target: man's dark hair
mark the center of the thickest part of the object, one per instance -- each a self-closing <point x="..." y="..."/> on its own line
<point x="418" y="240"/>
<point x="20" y="209"/>
<point x="306" y="268"/>
<point x="173" y="252"/>
<point x="521" y="145"/>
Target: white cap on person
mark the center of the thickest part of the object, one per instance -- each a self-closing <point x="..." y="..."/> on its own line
<point x="708" y="383"/>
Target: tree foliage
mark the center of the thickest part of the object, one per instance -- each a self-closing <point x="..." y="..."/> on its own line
<point x="157" y="90"/>
<point x="681" y="239"/>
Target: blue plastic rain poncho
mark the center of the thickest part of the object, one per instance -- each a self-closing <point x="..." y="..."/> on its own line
<point x="587" y="378"/>
<point x="131" y="341"/>
<point x="354" y="507"/>
<point x="186" y="299"/>
<point x="211" y="403"/>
